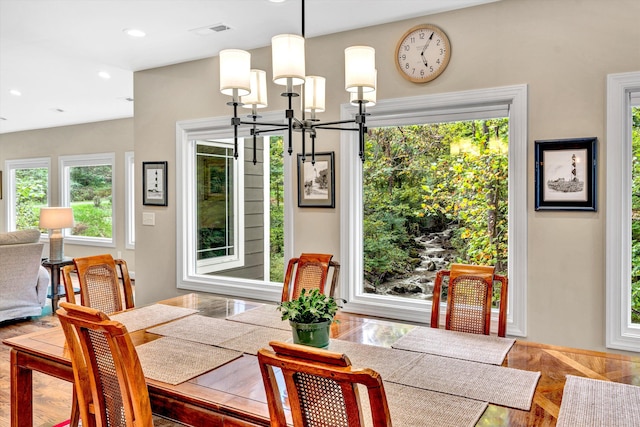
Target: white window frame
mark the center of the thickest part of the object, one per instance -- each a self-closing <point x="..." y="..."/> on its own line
<point x="100" y="159"/>
<point x="11" y="202"/>
<point x="186" y="272"/>
<point x="622" y="90"/>
<point x="129" y="201"/>
<point x="440" y="107"/>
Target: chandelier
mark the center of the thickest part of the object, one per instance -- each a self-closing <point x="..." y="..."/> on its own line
<point x="248" y="89"/>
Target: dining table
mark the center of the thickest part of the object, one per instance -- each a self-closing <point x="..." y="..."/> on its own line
<point x="232" y="392"/>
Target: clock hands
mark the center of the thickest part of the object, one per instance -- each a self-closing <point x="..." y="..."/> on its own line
<point x="426" y="45"/>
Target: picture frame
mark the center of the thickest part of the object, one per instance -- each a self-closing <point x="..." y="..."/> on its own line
<point x="154" y="183"/>
<point x="316" y="181"/>
<point x="566" y="174"/>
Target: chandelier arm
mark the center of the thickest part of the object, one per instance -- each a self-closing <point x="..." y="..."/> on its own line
<point x="313" y="148"/>
<point x="334" y="128"/>
<point x="289" y="115"/>
<point x="235" y="122"/>
<point x="338" y="122"/>
<point x="282" y="125"/>
<point x="360" y="119"/>
<point x="304" y="143"/>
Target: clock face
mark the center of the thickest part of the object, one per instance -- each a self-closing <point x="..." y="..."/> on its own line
<point x="423" y="53"/>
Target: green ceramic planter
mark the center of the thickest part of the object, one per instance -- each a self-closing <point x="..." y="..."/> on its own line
<point x="311" y="334"/>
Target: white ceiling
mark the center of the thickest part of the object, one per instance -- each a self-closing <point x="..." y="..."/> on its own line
<point x="52" y="50"/>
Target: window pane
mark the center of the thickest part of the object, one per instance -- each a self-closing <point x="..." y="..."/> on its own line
<point x="433" y="194"/>
<point x="90" y="196"/>
<point x="635" y="217"/>
<point x="31" y="186"/>
<point x="215" y="208"/>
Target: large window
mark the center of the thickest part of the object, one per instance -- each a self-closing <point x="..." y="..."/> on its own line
<point x="87" y="187"/>
<point x="462" y="107"/>
<point x="232" y="212"/>
<point x="27" y="192"/>
<point x="623" y="209"/>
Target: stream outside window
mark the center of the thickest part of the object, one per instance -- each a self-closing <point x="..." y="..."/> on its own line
<point x="433" y="194"/>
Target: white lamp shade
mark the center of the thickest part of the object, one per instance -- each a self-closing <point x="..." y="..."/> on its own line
<point x="360" y="68"/>
<point x="369" y="98"/>
<point x="235" y="72"/>
<point x="314" y="94"/>
<point x="287" y="56"/>
<point x="258" y="96"/>
<point x="53" y="218"/>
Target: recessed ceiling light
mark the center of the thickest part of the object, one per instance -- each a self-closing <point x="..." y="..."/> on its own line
<point x="134" y="32"/>
<point x="3" y="118"/>
<point x="15" y="92"/>
<point x="104" y="75"/>
<point x="277" y="1"/>
<point x="57" y="110"/>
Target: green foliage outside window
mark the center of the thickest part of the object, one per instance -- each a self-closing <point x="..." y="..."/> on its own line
<point x="31" y="195"/>
<point x="635" y="217"/>
<point x="276" y="190"/>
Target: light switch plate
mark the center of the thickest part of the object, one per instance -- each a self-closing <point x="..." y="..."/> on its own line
<point x="148" y="218"/>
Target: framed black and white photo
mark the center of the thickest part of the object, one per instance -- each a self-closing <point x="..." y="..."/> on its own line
<point x="565" y="174"/>
<point x="154" y="183"/>
<point x="316" y="181"/>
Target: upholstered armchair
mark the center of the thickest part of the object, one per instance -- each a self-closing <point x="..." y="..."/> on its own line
<point x="23" y="280"/>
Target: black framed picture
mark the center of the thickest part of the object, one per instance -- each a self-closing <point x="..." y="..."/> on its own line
<point x="565" y="174"/>
<point x="316" y="181"/>
<point x="154" y="183"/>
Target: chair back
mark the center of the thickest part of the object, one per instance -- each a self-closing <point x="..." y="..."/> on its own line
<point x="104" y="283"/>
<point x="311" y="272"/>
<point x="321" y="387"/>
<point x="469" y="299"/>
<point x="107" y="372"/>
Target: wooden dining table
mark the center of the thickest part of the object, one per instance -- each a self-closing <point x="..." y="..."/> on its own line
<point x="233" y="394"/>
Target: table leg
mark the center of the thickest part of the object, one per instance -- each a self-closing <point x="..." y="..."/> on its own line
<point x="55" y="287"/>
<point x="21" y="394"/>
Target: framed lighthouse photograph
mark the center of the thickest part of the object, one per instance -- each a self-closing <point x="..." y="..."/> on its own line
<point x="565" y="174"/>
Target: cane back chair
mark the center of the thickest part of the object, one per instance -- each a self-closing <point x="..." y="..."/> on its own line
<point x="311" y="272"/>
<point x="321" y="386"/>
<point x="106" y="369"/>
<point x="469" y="296"/>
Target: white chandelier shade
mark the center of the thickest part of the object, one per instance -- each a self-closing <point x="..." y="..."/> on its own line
<point x="235" y="72"/>
<point x="314" y="98"/>
<point x="360" y="68"/>
<point x="258" y="96"/>
<point x="368" y="98"/>
<point x="287" y="56"/>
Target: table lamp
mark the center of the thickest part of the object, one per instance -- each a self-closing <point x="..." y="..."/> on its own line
<point x="55" y="219"/>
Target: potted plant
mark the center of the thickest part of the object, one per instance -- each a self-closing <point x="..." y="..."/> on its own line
<point x="310" y="317"/>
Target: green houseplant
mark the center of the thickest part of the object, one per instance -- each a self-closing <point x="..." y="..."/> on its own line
<point x="310" y="317"/>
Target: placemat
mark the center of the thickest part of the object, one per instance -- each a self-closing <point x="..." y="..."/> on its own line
<point x="258" y="338"/>
<point x="383" y="360"/>
<point x="460" y="345"/>
<point x="202" y="329"/>
<point x="488" y="383"/>
<point x="265" y="315"/>
<point x="597" y="403"/>
<point x="151" y="315"/>
<point x="173" y="361"/>
<point x="436" y="409"/>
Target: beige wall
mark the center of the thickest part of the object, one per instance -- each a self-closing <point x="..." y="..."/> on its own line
<point x="113" y="136"/>
<point x="562" y="49"/>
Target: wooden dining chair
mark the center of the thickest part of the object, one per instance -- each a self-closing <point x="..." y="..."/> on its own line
<point x="469" y="298"/>
<point x="104" y="285"/>
<point x="321" y="387"/>
<point x="311" y="272"/>
<point x="107" y="371"/>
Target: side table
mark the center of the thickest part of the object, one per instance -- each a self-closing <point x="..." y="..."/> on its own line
<point x="56" y="289"/>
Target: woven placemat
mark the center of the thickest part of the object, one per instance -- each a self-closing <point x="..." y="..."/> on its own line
<point x="488" y="383"/>
<point x="173" y="361"/>
<point x="265" y="315"/>
<point x="258" y="338"/>
<point x="202" y="329"/>
<point x="460" y="345"/>
<point x="383" y="360"/>
<point x="435" y="409"/>
<point x="151" y="315"/>
<point x="596" y="403"/>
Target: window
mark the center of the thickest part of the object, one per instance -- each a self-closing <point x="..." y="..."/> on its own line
<point x="623" y="102"/>
<point x="87" y="187"/>
<point x="129" y="201"/>
<point x="232" y="213"/>
<point x="27" y="192"/>
<point x="462" y="106"/>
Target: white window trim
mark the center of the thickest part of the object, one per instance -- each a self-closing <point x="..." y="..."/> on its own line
<point x="129" y="201"/>
<point x="621" y="334"/>
<point x="436" y="107"/>
<point x="9" y="167"/>
<point x="100" y="159"/>
<point x="186" y="278"/>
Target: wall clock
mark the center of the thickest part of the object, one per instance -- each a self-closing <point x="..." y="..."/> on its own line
<point x="423" y="53"/>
